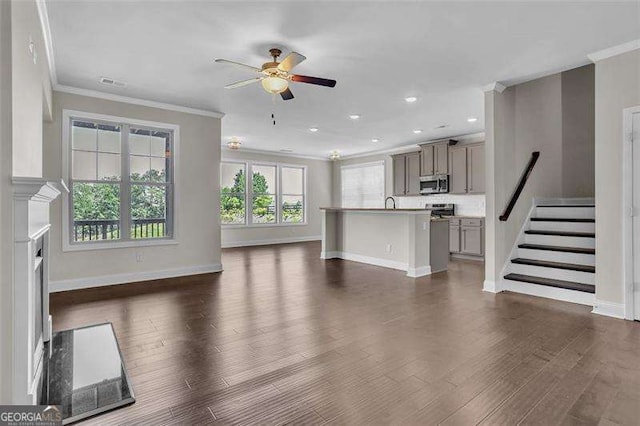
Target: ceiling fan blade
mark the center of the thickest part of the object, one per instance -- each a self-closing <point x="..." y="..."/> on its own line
<point x="225" y="61"/>
<point x="242" y="83"/>
<point x="287" y="95"/>
<point x="292" y="59"/>
<point x="313" y="80"/>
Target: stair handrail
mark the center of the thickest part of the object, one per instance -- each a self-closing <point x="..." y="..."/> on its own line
<point x="521" y="184"/>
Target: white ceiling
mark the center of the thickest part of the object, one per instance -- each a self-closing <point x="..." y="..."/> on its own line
<point x="379" y="52"/>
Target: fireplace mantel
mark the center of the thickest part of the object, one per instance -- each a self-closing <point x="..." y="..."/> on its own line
<point x="31" y="200"/>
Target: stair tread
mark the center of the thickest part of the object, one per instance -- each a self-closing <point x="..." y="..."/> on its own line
<point x="556" y="265"/>
<point x="550" y="282"/>
<point x="562" y="219"/>
<point x="561" y="233"/>
<point x="569" y="205"/>
<point x="581" y="250"/>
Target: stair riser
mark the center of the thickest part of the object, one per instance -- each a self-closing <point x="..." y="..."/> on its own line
<point x="568" y="212"/>
<point x="550" y="292"/>
<point x="555" y="240"/>
<point x="563" y="226"/>
<point x="556" y="256"/>
<point x="558" y="274"/>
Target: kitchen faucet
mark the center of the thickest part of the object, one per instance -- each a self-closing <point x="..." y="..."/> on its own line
<point x="392" y="199"/>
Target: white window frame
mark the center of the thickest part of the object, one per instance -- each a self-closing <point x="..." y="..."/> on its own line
<point x="67" y="219"/>
<point x="367" y="164"/>
<point x="248" y="196"/>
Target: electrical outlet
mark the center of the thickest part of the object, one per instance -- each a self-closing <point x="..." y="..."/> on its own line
<point x="138" y="257"/>
<point x="388" y="248"/>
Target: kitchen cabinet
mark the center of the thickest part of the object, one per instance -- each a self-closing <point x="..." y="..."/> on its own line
<point x="426" y="160"/>
<point x="434" y="159"/>
<point x="466" y="169"/>
<point x="475" y="169"/>
<point x="406" y="174"/>
<point x="466" y="236"/>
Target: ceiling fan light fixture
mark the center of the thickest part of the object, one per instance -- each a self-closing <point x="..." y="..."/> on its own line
<point x="274" y="85"/>
<point x="234" y="143"/>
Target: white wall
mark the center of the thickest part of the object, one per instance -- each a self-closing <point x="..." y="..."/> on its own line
<point x="6" y="222"/>
<point x="198" y="245"/>
<point x="617" y="87"/>
<point x="31" y="89"/>
<point x="319" y="185"/>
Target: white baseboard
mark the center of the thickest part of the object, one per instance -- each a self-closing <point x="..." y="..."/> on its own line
<point x="609" y="309"/>
<point x="386" y="263"/>
<point x="572" y="296"/>
<point x="419" y="272"/>
<point x="249" y="243"/>
<point x="104" y="280"/>
<point x="491" y="287"/>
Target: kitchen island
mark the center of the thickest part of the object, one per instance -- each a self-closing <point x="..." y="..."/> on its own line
<point x="406" y="239"/>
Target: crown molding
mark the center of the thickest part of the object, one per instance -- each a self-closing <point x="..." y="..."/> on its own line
<point x="48" y="43"/>
<point x="470" y="138"/>
<point x="614" y="51"/>
<point x="275" y="153"/>
<point x="494" y="87"/>
<point x="135" y="101"/>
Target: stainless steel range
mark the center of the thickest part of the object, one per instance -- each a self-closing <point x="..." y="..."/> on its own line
<point x="440" y="210"/>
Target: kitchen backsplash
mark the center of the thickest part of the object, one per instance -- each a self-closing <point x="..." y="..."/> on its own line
<point x="471" y="205"/>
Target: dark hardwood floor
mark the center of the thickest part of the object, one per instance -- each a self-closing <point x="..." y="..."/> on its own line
<point x="284" y="337"/>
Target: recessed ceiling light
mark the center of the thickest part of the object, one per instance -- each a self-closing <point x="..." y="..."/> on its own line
<point x="410" y="99"/>
<point x="375" y="140"/>
<point x="417" y="131"/>
<point x="354" y="116"/>
<point x="472" y="119"/>
<point x="313" y="129"/>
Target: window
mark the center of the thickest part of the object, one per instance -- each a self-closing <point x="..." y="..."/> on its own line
<point x="121" y="181"/>
<point x="276" y="195"/>
<point x="362" y="185"/>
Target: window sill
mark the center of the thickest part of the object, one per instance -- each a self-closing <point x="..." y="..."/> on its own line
<point x="263" y="225"/>
<point x="99" y="245"/>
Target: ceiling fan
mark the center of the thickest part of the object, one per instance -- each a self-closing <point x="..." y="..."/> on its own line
<point x="275" y="76"/>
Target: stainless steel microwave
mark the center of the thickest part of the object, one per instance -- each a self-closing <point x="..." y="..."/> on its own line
<point x="437" y="184"/>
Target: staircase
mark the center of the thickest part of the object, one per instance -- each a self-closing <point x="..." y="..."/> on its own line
<point x="554" y="256"/>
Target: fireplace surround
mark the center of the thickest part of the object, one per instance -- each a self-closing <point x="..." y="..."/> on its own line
<point x="31" y="322"/>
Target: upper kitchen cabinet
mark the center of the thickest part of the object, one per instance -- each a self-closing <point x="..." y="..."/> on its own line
<point x="406" y="173"/>
<point x="434" y="159"/>
<point x="466" y="169"/>
<point x="475" y="169"/>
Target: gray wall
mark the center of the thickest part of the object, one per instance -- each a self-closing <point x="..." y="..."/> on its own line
<point x="578" y="131"/>
<point x="319" y="185"/>
<point x="199" y="222"/>
<point x="617" y="87"/>
<point x="531" y="117"/>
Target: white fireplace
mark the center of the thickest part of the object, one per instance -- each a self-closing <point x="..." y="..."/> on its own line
<point x="31" y="321"/>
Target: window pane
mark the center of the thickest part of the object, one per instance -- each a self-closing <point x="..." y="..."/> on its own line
<point x="140" y="142"/>
<point x="148" y="211"/>
<point x="363" y="186"/>
<point x="158" y="170"/>
<point x="139" y="167"/>
<point x="292" y="209"/>
<point x="232" y="193"/>
<point x="232" y="210"/>
<point x="160" y="144"/>
<point x="108" y="166"/>
<point x="264" y="179"/>
<point x="264" y="209"/>
<point x="84" y="165"/>
<point x="292" y="180"/>
<point x="109" y="138"/>
<point x="84" y="136"/>
<point x="96" y="211"/>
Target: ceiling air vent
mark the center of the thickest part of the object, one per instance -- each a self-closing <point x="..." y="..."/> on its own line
<point x="112" y="82"/>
